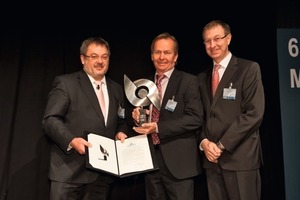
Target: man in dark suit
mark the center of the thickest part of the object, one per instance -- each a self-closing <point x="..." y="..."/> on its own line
<point x="230" y="137"/>
<point x="72" y="109"/>
<point x="181" y="115"/>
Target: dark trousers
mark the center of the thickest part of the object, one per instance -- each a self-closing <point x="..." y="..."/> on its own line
<point x="98" y="190"/>
<point x="233" y="185"/>
<point x="162" y="185"/>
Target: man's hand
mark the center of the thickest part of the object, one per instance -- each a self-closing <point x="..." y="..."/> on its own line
<point x="79" y="145"/>
<point x="136" y="115"/>
<point x="121" y="136"/>
<point x="146" y="128"/>
<point x="211" y="150"/>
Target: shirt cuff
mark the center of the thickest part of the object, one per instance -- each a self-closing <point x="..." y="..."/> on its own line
<point x="69" y="147"/>
<point x="200" y="146"/>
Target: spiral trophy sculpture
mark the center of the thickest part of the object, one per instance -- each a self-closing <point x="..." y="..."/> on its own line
<point x="140" y="93"/>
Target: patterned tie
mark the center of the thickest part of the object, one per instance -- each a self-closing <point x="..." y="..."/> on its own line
<point x="100" y="96"/>
<point x="155" y="111"/>
<point x="215" y="79"/>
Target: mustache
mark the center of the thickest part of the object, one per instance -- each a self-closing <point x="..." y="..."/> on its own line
<point x="99" y="64"/>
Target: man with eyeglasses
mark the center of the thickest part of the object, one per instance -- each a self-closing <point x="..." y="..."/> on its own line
<point x="72" y="108"/>
<point x="234" y="112"/>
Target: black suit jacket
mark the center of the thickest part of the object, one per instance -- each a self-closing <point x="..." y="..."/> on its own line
<point x="235" y="122"/>
<point x="73" y="108"/>
<point x="177" y="129"/>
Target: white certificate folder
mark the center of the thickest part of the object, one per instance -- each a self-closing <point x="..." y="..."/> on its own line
<point x="135" y="155"/>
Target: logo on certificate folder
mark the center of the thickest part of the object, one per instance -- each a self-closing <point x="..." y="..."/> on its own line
<point x="104" y="152"/>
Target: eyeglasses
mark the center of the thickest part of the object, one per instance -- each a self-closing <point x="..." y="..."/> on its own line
<point x="216" y="40"/>
<point x="166" y="53"/>
<point x="94" y="57"/>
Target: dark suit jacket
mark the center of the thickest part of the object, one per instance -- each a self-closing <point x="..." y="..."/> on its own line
<point x="235" y="122"/>
<point x="73" y="108"/>
<point x="177" y="135"/>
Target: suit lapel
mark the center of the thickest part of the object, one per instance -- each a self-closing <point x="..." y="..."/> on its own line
<point x="225" y="81"/>
<point x="89" y="92"/>
<point x="112" y="101"/>
<point x="208" y="84"/>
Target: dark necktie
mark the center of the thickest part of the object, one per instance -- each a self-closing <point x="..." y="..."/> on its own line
<point x="155" y="111"/>
<point x="215" y="79"/>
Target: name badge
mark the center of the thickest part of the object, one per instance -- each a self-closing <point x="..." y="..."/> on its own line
<point x="121" y="112"/>
<point x="171" y="105"/>
<point x="229" y="93"/>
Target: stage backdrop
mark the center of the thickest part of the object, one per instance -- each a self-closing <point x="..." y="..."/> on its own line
<point x="288" y="49"/>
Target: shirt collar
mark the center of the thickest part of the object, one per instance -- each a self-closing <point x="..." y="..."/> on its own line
<point x="225" y="61"/>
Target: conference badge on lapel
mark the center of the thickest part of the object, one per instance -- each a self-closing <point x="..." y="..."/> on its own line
<point x="121" y="112"/>
<point x="229" y="93"/>
<point x="171" y="105"/>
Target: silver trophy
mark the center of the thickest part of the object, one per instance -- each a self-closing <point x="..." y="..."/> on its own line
<point x="140" y="93"/>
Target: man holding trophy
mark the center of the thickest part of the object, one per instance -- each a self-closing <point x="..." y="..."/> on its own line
<point x="174" y="115"/>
